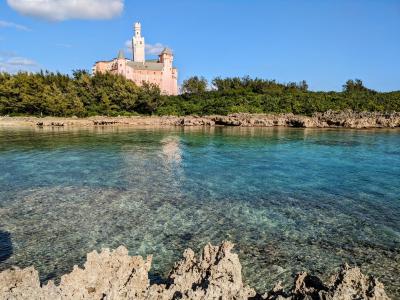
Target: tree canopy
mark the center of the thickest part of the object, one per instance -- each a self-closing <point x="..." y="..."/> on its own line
<point x="355" y="86"/>
<point x="82" y="94"/>
<point x="233" y="95"/>
<point x="194" y="85"/>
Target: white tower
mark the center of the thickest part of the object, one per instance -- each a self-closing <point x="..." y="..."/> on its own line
<point x="138" y="44"/>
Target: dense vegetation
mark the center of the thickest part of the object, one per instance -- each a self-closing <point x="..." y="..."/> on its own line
<point x="82" y="95"/>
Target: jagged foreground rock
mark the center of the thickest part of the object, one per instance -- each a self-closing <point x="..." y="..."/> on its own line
<point x="216" y="274"/>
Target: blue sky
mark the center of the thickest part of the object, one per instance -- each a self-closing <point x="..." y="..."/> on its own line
<point x="323" y="42"/>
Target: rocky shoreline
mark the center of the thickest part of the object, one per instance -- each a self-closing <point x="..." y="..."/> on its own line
<point x="329" y="119"/>
<point x="215" y="274"/>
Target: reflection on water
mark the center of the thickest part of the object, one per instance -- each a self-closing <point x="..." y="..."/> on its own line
<point x="171" y="150"/>
<point x="291" y="199"/>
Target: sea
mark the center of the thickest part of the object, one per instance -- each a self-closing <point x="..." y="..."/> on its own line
<point x="290" y="199"/>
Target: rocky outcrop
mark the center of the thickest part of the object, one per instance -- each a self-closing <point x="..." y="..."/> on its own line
<point x="349" y="283"/>
<point x="353" y="119"/>
<point x="329" y="119"/>
<point x="106" y="275"/>
<point x="216" y="274"/>
<point x="194" y="121"/>
<point x="104" y="122"/>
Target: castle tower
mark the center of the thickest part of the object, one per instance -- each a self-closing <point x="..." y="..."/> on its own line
<point x="121" y="63"/>
<point x="166" y="57"/>
<point x="169" y="83"/>
<point x="138" y="44"/>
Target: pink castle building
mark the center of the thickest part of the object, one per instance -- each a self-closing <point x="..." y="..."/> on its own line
<point x="160" y="72"/>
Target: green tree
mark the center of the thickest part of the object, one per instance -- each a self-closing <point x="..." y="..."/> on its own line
<point x="149" y="99"/>
<point x="82" y="94"/>
<point x="194" y="85"/>
<point x="105" y="104"/>
<point x="354" y="86"/>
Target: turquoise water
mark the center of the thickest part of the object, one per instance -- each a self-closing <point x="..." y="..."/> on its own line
<point x="290" y="199"/>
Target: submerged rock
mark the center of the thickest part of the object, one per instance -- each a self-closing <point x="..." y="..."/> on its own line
<point x="216" y="274"/>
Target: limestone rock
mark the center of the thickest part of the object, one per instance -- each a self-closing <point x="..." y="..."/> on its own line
<point x="114" y="274"/>
<point x="348" y="284"/>
<point x="194" y="121"/>
<point x="329" y="119"/>
<point x="231" y="120"/>
<point x="216" y="274"/>
<point x="19" y="283"/>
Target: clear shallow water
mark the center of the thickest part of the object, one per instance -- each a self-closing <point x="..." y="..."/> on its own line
<point x="290" y="199"/>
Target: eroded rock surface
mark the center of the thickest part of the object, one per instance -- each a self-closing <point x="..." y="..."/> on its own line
<point x="347" y="119"/>
<point x="328" y="119"/>
<point x="216" y="274"/>
<point x="349" y="283"/>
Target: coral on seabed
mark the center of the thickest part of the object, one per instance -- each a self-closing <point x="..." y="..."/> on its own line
<point x="216" y="274"/>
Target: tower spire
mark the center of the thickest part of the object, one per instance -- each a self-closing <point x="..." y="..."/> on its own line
<point x="121" y="54"/>
<point x="138" y="44"/>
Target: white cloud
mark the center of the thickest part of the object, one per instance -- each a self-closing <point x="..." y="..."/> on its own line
<point x="12" y="64"/>
<point x="21" y="62"/>
<point x="155" y="49"/>
<point x="151" y="49"/>
<point x="59" y="10"/>
<point x="13" y="25"/>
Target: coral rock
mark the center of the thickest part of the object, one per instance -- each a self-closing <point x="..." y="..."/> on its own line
<point x="216" y="274"/>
